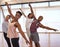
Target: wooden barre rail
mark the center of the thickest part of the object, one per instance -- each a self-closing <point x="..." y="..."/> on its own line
<point x="44" y="32"/>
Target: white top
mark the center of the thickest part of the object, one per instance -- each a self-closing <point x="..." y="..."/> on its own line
<point x="28" y="24"/>
<point x="5" y="26"/>
<point x="11" y="33"/>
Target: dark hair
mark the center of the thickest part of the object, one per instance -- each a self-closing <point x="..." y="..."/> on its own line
<point x="29" y="14"/>
<point x="41" y="17"/>
<point x="19" y="12"/>
<point x="9" y="15"/>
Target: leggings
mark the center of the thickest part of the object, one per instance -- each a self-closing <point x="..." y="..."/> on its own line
<point x="7" y="39"/>
<point x="15" y="42"/>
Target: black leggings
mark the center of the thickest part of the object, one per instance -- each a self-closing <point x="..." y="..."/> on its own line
<point x="15" y="42"/>
<point x="7" y="39"/>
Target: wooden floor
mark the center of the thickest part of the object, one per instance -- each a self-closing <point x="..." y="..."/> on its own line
<point x="47" y="39"/>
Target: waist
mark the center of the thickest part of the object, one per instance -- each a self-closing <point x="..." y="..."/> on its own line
<point x="5" y="31"/>
<point x="11" y="34"/>
<point x="32" y="31"/>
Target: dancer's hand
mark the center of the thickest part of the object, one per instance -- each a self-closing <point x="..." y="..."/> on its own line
<point x="27" y="42"/>
<point x="6" y="3"/>
<point x="55" y="29"/>
<point x="29" y="4"/>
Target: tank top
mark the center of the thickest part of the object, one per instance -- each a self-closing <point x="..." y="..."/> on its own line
<point x="11" y="33"/>
<point x="5" y="26"/>
<point x="34" y="26"/>
<point x="28" y="24"/>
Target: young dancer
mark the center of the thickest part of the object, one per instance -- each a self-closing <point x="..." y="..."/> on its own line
<point x="28" y="24"/>
<point x="12" y="28"/>
<point x="33" y="28"/>
<point x="29" y="20"/>
<point x="5" y="27"/>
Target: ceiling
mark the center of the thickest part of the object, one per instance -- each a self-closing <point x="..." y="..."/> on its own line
<point x="21" y="1"/>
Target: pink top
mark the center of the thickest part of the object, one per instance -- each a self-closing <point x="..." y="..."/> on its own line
<point x="11" y="33"/>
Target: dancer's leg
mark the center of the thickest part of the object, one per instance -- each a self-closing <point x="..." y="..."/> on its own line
<point x="37" y="44"/>
<point x="7" y="39"/>
<point x="31" y="45"/>
<point x="15" y="42"/>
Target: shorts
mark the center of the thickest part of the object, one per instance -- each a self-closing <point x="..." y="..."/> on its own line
<point x="34" y="36"/>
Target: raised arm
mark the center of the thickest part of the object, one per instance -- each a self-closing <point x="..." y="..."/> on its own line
<point x="9" y="10"/>
<point x="2" y="12"/>
<point x="31" y="9"/>
<point x="22" y="12"/>
<point x="21" y="32"/>
<point x="45" y="27"/>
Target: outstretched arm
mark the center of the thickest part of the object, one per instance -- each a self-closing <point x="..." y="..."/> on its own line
<point x="2" y="12"/>
<point x="32" y="10"/>
<point x="21" y="32"/>
<point x="22" y="12"/>
<point x="45" y="27"/>
<point x="9" y="10"/>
